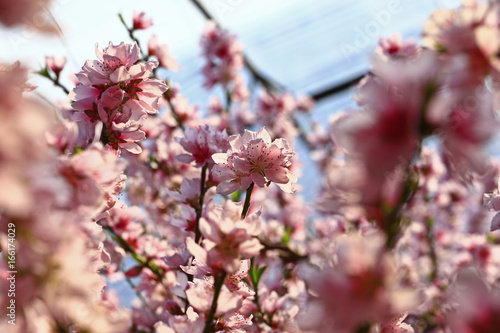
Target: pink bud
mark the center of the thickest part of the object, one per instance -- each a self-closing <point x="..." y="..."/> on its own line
<point x="56" y="64"/>
<point x="140" y="22"/>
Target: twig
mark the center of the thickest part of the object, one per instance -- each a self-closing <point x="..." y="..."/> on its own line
<point x="217" y="288"/>
<point x="137" y="257"/>
<point x="141" y="298"/>
<point x="268" y="83"/>
<point x="199" y="209"/>
<point x="246" y="205"/>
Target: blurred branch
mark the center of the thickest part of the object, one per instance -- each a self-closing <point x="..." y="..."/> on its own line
<point x="49" y="102"/>
<point x="137" y="257"/>
<point x="140" y="297"/>
<point x="338" y="88"/>
<point x="131" y="34"/>
<point x="273" y="85"/>
<point x="268" y="83"/>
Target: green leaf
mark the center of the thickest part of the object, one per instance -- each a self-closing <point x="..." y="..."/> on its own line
<point x="440" y="47"/>
<point x="259" y="273"/>
<point x="255" y="274"/>
<point x="235" y="196"/>
<point x="44" y="72"/>
<point x="491" y="239"/>
<point x="123" y="21"/>
<point x="286" y="237"/>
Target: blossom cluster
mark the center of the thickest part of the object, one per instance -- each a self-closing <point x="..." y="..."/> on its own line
<point x="118" y="92"/>
<point x="200" y="216"/>
<point x="223" y="54"/>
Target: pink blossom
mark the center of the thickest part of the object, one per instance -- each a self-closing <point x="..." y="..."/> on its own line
<point x="271" y="105"/>
<point x="127" y="222"/>
<point x="64" y="136"/>
<point x="223" y="55"/>
<point x="23" y="148"/>
<point x="253" y="157"/>
<point x="470" y="31"/>
<point x="125" y="136"/>
<point x="140" y="22"/>
<point x="188" y="193"/>
<point x="478" y="308"/>
<point x="228" y="239"/>
<point x="287" y="210"/>
<point x="235" y="323"/>
<point x="117" y="91"/>
<point x="115" y="61"/>
<point x="162" y="53"/>
<point x="276" y="112"/>
<point x="93" y="173"/>
<point x="239" y="91"/>
<point x="396" y="325"/>
<point x="362" y="287"/>
<point x="117" y="64"/>
<point x="495" y="222"/>
<point x="272" y="302"/>
<point x="56" y="64"/>
<point x="292" y="266"/>
<point x="13" y="79"/>
<point x="201" y="143"/>
<point x="492" y="202"/>
<point x="467" y="121"/>
<point x="186" y="220"/>
<point x="192" y="322"/>
<point x="199" y="267"/>
<point x="201" y="292"/>
<point x="395" y="48"/>
<point x="31" y="13"/>
<point x="234" y="282"/>
<point x="393" y="103"/>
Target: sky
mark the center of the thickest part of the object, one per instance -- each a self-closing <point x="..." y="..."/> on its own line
<point x="261" y="25"/>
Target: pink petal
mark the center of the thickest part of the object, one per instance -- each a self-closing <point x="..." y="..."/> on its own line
<point x="133" y="136"/>
<point x="258" y="179"/>
<point x="278" y="175"/>
<point x="89" y="192"/>
<point x="264" y="135"/>
<point x="231" y="264"/>
<point x="241" y="165"/>
<point x="287" y="188"/>
<point x="220" y="158"/>
<point x="197" y="251"/>
<point x="132" y="147"/>
<point x="185" y="158"/>
<point x="223" y="173"/>
<point x="226" y="188"/>
<point x="120" y="74"/>
<point x="209" y="231"/>
<point x="245" y="183"/>
<point x="495" y="223"/>
<point x="250" y="248"/>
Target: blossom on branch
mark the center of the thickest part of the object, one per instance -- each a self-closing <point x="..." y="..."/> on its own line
<point x="223" y="54"/>
<point x="56" y="64"/>
<point x="254" y="158"/>
<point x="228" y="239"/>
<point x="201" y="143"/>
<point x="162" y="53"/>
<point x="118" y="91"/>
<point x="140" y="22"/>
